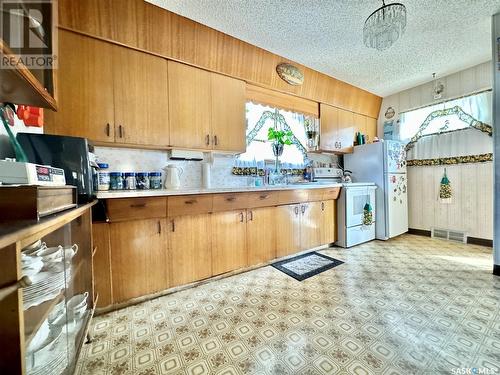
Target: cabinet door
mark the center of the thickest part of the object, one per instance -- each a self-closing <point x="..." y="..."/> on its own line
<point x="141" y="98"/>
<point x="310" y="235"/>
<point x="189" y="99"/>
<point x="287" y="230"/>
<point x="138" y="258"/>
<point x="261" y="235"/>
<point x="228" y="114"/>
<point x="84" y="88"/>
<point x="328" y="223"/>
<point x="329" y="118"/>
<point x="101" y="263"/>
<point x="346" y="130"/>
<point x="190" y="256"/>
<point x="229" y="247"/>
<point x="371" y="129"/>
<point x="359" y="122"/>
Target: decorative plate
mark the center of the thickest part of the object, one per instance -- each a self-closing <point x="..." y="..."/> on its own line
<point x="290" y="74"/>
<point x="390" y="113"/>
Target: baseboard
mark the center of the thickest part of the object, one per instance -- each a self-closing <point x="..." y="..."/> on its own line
<point x="419" y="232"/>
<point x="470" y="240"/>
<point x="496" y="269"/>
<point x="480" y="241"/>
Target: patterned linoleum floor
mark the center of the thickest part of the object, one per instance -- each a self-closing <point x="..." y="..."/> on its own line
<point x="411" y="305"/>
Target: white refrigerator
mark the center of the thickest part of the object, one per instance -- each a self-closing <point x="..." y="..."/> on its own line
<point x="383" y="163"/>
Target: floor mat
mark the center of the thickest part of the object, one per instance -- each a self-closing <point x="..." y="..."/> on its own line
<point x="306" y="265"/>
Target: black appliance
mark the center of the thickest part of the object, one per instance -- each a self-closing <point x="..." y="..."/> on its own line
<point x="69" y="153"/>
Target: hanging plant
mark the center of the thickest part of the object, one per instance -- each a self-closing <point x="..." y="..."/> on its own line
<point x="284" y="137"/>
<point x="445" y="187"/>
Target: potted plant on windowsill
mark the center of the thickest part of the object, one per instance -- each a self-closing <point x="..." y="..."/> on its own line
<point x="280" y="138"/>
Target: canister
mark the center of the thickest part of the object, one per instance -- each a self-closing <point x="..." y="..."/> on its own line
<point x="103" y="178"/>
<point x="116" y="180"/>
<point x="155" y="180"/>
<point x="129" y="181"/>
<point x="142" y="180"/>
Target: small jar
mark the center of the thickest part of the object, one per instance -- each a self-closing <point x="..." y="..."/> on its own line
<point x="129" y="181"/>
<point x="142" y="181"/>
<point x="116" y="180"/>
<point x="155" y="180"/>
<point x="103" y="179"/>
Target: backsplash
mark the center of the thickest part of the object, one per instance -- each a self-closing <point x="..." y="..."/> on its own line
<point x="135" y="160"/>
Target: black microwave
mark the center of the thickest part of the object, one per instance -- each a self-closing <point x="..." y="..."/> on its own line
<point x="68" y="153"/>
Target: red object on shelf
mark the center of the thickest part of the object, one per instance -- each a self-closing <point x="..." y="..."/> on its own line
<point x="31" y="116"/>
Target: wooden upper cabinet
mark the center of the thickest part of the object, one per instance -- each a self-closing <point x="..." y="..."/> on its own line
<point x="329" y="123"/>
<point x="141" y="98"/>
<point x="137" y="269"/>
<point x="190" y="106"/>
<point x="371" y="128"/>
<point x="346" y="130"/>
<point x="190" y="257"/>
<point x="261" y="235"/>
<point x="288" y="230"/>
<point x="229" y="248"/>
<point x="328" y="224"/>
<point x="84" y="86"/>
<point x="228" y="113"/>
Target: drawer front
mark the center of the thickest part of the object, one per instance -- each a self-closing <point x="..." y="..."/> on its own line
<point x="189" y="205"/>
<point x="230" y="201"/>
<point x="331" y="193"/>
<point x="315" y="195"/>
<point x="263" y="199"/>
<point x="292" y="196"/>
<point x="121" y="209"/>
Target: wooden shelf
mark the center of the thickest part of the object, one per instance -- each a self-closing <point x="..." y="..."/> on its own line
<point x="20" y="86"/>
<point x="36" y="315"/>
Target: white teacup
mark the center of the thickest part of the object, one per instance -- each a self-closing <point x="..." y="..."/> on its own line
<point x="50" y="253"/>
<point x="34" y="247"/>
<point x="70" y="252"/>
<point x="77" y="301"/>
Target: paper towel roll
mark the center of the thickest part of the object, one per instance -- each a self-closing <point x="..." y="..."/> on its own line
<point x="205" y="175"/>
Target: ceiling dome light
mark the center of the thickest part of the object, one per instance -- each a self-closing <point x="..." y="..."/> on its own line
<point x="384" y="26"/>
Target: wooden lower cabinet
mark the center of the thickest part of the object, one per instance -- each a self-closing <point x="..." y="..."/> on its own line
<point x="138" y="258"/>
<point x="189" y="247"/>
<point x="310" y="235"/>
<point x="229" y="247"/>
<point x="288" y="230"/>
<point x="261" y="235"/>
<point x="101" y="262"/>
<point x="328" y="225"/>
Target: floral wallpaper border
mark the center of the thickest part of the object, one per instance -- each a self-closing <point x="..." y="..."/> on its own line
<point x="467" y="159"/>
<point x="252" y="171"/>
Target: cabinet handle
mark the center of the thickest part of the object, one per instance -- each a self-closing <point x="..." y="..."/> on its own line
<point x="322" y="206"/>
<point x="159" y="227"/>
<point x="296" y="209"/>
<point x="216" y="141"/>
<point x="250" y="213"/>
<point x="108" y="129"/>
<point x="120" y="131"/>
<point x="192" y="201"/>
<point x="138" y="205"/>
<point x="264" y="196"/>
<point x="207" y="139"/>
<point x="340" y="144"/>
<point x="231" y="199"/>
<point x="241" y="217"/>
<point x="303" y="209"/>
<point x="173" y="225"/>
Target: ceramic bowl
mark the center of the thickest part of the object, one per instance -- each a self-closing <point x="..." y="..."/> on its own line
<point x="77" y="301"/>
<point x="34" y="247"/>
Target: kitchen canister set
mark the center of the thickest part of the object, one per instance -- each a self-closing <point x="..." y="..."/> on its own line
<point x="126" y="180"/>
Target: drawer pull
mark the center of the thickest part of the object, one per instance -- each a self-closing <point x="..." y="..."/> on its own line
<point x="173" y="225"/>
<point x="207" y="139"/>
<point x="250" y="214"/>
<point x="159" y="227"/>
<point x="138" y="205"/>
<point x="108" y="128"/>
<point x="322" y="206"/>
<point x="193" y="201"/>
<point x="241" y="217"/>
<point x="264" y="196"/>
<point x="231" y="199"/>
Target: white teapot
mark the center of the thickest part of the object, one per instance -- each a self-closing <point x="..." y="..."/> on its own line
<point x="172" y="176"/>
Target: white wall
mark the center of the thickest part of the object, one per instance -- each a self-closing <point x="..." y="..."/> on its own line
<point x="471" y="209"/>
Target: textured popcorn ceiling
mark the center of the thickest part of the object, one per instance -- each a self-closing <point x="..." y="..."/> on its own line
<point x="442" y="36"/>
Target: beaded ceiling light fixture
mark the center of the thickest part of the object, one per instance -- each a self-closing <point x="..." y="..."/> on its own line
<point x="385" y="26"/>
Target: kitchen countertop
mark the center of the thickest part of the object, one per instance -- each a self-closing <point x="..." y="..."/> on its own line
<point x="242" y="189"/>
